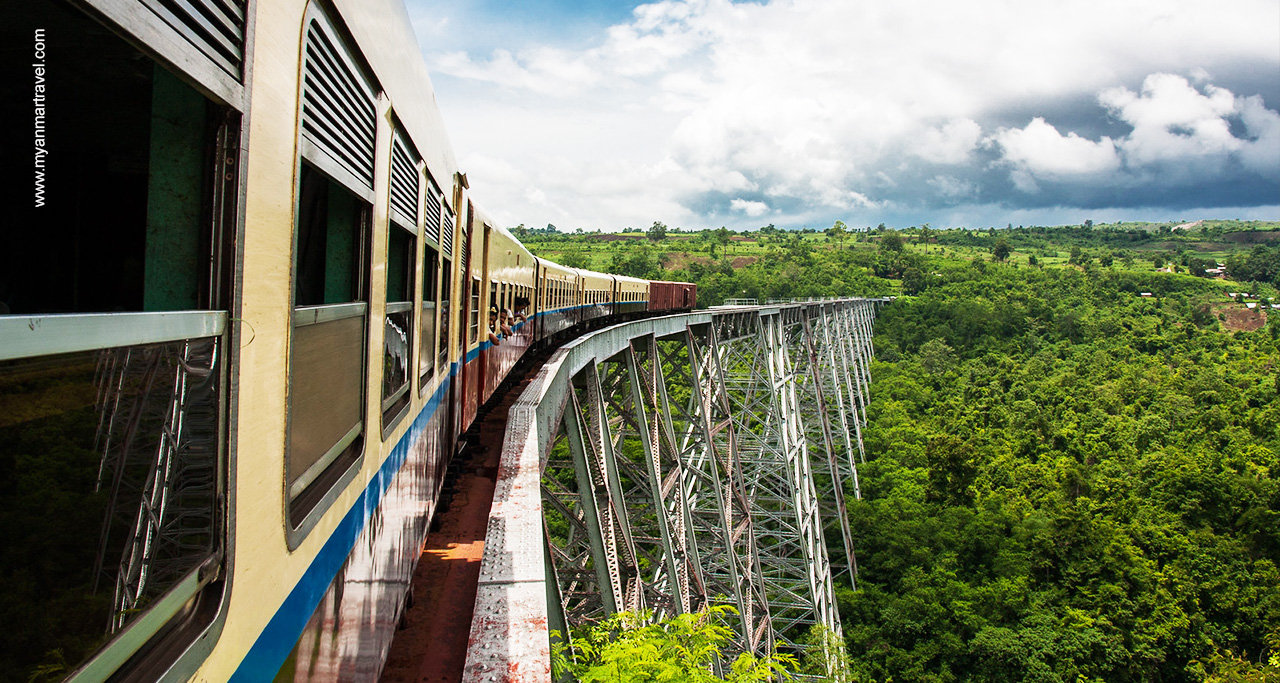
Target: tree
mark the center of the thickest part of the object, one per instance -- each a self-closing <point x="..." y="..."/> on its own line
<point x="575" y="259"/>
<point x="892" y="241"/>
<point x="634" y="648"/>
<point x="914" y="281"/>
<point x="1001" y="249"/>
<point x="838" y="232"/>
<point x="657" y="232"/>
<point x="723" y="238"/>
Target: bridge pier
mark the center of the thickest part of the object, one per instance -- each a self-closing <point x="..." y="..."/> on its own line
<point x="675" y="462"/>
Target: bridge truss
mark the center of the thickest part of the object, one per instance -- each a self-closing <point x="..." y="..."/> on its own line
<point x="675" y="462"/>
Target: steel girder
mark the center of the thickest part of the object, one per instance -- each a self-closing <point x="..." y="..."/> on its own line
<point x="709" y="458"/>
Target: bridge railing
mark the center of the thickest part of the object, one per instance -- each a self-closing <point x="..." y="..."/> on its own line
<point x="658" y="464"/>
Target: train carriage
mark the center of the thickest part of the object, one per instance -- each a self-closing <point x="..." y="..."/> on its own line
<point x="595" y="294"/>
<point x="283" y="317"/>
<point x="672" y="296"/>
<point x="509" y="278"/>
<point x="557" y="298"/>
<point x="631" y="295"/>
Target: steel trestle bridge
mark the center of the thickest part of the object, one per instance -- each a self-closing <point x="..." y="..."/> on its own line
<point x="674" y="462"/>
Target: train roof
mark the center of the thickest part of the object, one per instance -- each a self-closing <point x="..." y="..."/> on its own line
<point x="383" y="31"/>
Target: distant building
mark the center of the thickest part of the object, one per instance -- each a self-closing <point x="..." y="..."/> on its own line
<point x="1147" y="294"/>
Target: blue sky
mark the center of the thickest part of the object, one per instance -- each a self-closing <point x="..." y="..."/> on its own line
<point x="701" y="113"/>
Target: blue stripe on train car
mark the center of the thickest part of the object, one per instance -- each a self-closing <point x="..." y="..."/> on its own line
<point x="278" y="638"/>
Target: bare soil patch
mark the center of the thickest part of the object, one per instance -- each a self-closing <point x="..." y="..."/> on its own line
<point x="744" y="261"/>
<point x="1237" y="318"/>
<point x="1255" y="237"/>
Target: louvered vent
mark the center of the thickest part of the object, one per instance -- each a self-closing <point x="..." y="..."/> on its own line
<point x="405" y="180"/>
<point x="432" y="222"/>
<point x="466" y="256"/>
<point x="446" y="235"/>
<point x="216" y="27"/>
<point x="338" y="113"/>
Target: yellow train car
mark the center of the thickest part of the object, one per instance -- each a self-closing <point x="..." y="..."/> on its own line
<point x="595" y="294"/>
<point x="631" y="295"/>
<point x="556" y="307"/>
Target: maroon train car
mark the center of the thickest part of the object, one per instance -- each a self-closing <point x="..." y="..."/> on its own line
<point x="672" y="296"/>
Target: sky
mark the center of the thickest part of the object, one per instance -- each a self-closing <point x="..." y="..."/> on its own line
<point x="592" y="114"/>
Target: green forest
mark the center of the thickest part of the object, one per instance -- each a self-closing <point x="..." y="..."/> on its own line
<point x="1072" y="444"/>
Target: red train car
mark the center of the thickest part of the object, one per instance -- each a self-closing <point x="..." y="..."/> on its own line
<point x="672" y="296"/>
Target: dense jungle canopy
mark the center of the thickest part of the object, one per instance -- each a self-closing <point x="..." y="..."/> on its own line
<point x="1072" y="454"/>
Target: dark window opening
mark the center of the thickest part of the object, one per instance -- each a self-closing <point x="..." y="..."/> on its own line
<point x="119" y="214"/>
<point x="330" y="247"/>
<point x="326" y="363"/>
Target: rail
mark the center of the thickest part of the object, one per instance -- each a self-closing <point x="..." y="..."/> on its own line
<point x="757" y="378"/>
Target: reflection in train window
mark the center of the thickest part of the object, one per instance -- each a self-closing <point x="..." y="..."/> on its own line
<point x="430" y="291"/>
<point x="398" y="339"/>
<point x="101" y="448"/>
<point x="446" y="310"/>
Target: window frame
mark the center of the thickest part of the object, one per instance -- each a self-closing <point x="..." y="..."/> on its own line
<point x="313" y="509"/>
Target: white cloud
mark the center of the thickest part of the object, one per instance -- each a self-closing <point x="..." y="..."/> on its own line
<point x="750" y="208"/>
<point x="825" y="107"/>
<point x="1179" y="135"/>
<point x="1261" y="152"/>
<point x="1172" y="120"/>
<point x="953" y="143"/>
<point x="952" y="187"/>
<point x="1042" y="151"/>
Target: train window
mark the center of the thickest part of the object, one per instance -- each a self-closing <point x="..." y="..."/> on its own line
<point x="446" y="308"/>
<point x="397" y="340"/>
<point x="402" y="253"/>
<point x="495" y="302"/>
<point x="430" y="292"/>
<point x="124" y="201"/>
<point x="133" y="211"/>
<point x="326" y="367"/>
<point x="473" y="325"/>
<point x="328" y="351"/>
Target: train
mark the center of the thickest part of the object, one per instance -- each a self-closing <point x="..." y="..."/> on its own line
<point x="245" y="320"/>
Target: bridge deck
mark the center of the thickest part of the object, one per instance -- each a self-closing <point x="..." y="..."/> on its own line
<point x="707" y="508"/>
